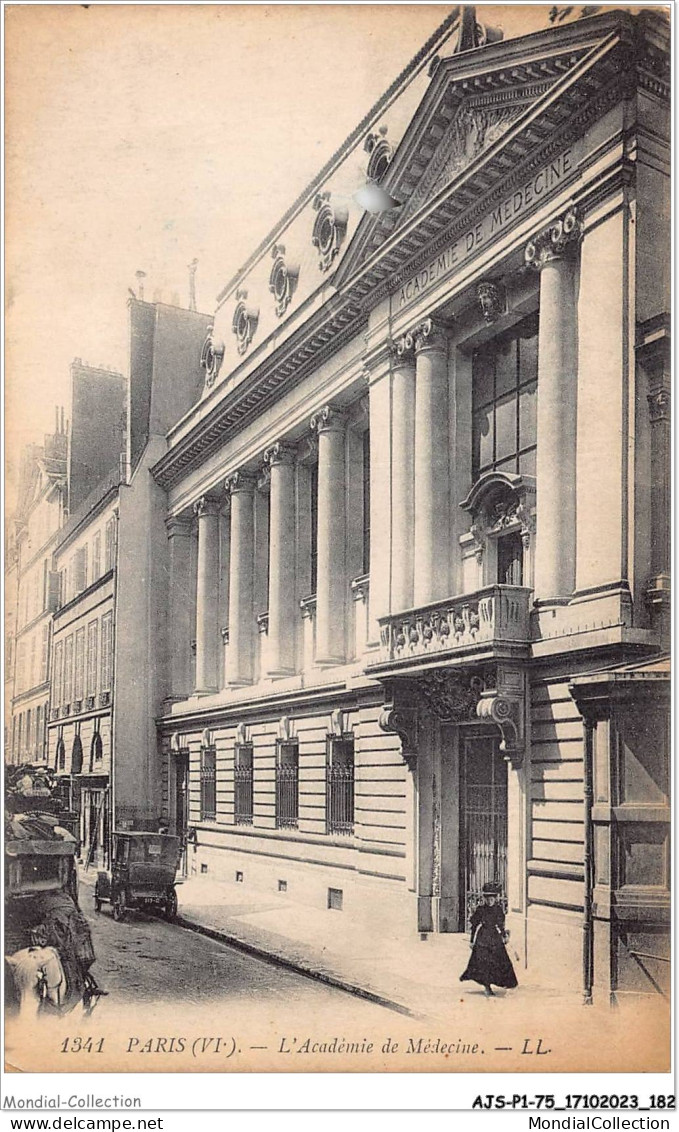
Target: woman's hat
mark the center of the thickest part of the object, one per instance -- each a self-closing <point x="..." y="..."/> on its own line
<point x="491" y="889"/>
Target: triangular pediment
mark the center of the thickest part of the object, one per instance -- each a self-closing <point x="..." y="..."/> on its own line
<point x="485" y="114"/>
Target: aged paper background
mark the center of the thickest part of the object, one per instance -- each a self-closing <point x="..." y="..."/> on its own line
<point x="138" y="137"/>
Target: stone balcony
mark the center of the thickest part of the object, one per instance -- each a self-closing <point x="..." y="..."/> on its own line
<point x="492" y="623"/>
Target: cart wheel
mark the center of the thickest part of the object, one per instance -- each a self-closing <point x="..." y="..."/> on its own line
<point x="119" y="907"/>
<point x="171" y="905"/>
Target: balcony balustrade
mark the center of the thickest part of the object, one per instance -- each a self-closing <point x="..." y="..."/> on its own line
<point x="489" y="622"/>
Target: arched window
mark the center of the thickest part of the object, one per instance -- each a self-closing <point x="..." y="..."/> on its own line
<point x="61" y="755"/>
<point x="96" y="750"/>
<point x="77" y="756"/>
<point x="502" y="506"/>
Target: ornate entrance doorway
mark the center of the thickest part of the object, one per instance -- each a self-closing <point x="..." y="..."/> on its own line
<point x="483" y="824"/>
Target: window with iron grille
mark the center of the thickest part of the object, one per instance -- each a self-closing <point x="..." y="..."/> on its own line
<point x="504" y="402"/>
<point x="243" y="784"/>
<point x="287" y="785"/>
<point x="208" y="784"/>
<point x="339" y="785"/>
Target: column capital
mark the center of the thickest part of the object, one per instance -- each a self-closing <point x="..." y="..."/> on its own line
<point x="329" y="419"/>
<point x="175" y="525"/>
<point x="240" y="481"/>
<point x="553" y="242"/>
<point x="279" y="453"/>
<point x="430" y="334"/>
<point x="206" y="505"/>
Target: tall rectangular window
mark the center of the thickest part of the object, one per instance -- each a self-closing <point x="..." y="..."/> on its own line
<point x="32" y="673"/>
<point x="243" y="784"/>
<point x="58" y="687"/>
<point x="208" y="784"/>
<point x="68" y="670"/>
<point x="79" y="666"/>
<point x="339" y="792"/>
<point x="38" y="732"/>
<point x="106" y="651"/>
<point x="504" y="402"/>
<point x="287" y="785"/>
<point x="313" y="517"/>
<point x="92" y="641"/>
<point x="44" y="653"/>
<point x="21" y="666"/>
<point x="110" y="545"/>
<point x="366" y="501"/>
<point x="81" y="570"/>
<point x="96" y="556"/>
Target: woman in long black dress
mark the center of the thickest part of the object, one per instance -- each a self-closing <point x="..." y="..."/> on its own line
<point x="489" y="962"/>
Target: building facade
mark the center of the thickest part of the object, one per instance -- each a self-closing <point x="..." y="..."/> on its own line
<point x="30" y="588"/>
<point x="107" y="671"/>
<point x="401" y="576"/>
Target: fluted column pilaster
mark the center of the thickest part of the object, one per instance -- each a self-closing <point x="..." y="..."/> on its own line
<point x="180" y="620"/>
<point x="207" y="595"/>
<point x="282" y="604"/>
<point x="240" y="656"/>
<point x="403" y="475"/>
<point x="431" y="462"/>
<point x="331" y="599"/>
<point x="550" y="254"/>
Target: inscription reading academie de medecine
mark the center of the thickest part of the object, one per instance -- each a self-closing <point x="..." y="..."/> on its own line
<point x="497" y="220"/>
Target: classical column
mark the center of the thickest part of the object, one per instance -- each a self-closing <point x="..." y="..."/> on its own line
<point x="403" y="476"/>
<point x="207" y="595"/>
<point x="549" y="253"/>
<point x="239" y="660"/>
<point x="431" y="494"/>
<point x="180" y="619"/>
<point x="331" y="598"/>
<point x="282" y="605"/>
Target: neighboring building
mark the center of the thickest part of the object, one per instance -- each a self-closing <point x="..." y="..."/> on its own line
<point x="108" y="667"/>
<point x="79" y="729"/>
<point x="427" y="476"/>
<point x="30" y="587"/>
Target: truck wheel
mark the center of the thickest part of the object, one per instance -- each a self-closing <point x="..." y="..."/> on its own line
<point x="119" y="907"/>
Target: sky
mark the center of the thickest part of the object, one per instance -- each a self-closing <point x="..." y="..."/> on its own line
<point x="141" y="136"/>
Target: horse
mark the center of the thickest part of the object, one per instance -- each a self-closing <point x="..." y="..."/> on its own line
<point x="38" y="980"/>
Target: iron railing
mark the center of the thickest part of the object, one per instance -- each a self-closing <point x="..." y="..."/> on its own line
<point x="243" y="795"/>
<point x="287" y="796"/>
<point x="339" y="799"/>
<point x="208" y="785"/>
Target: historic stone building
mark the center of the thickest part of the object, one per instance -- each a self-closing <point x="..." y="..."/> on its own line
<point x="417" y="518"/>
<point x="30" y="593"/>
<point x="107" y="671"/>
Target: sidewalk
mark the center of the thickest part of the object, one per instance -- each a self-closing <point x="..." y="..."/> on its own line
<point x="413" y="975"/>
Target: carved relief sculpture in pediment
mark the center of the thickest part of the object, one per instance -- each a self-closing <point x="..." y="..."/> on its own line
<point x="283" y="279"/>
<point x="211" y="356"/>
<point x="245" y="319"/>
<point x="329" y="228"/>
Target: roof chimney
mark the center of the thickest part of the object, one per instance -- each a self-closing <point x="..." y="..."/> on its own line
<point x="192" y="284"/>
<point x="141" y="276"/>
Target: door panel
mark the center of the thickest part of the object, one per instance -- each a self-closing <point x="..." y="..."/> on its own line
<point x="483" y="824"/>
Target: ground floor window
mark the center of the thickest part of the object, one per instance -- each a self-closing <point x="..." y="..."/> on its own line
<point x="287" y="785"/>
<point x="208" y="784"/>
<point x="243" y="784"/>
<point x="339" y="787"/>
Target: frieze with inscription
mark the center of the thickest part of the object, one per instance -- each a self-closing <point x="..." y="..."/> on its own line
<point x="497" y="221"/>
